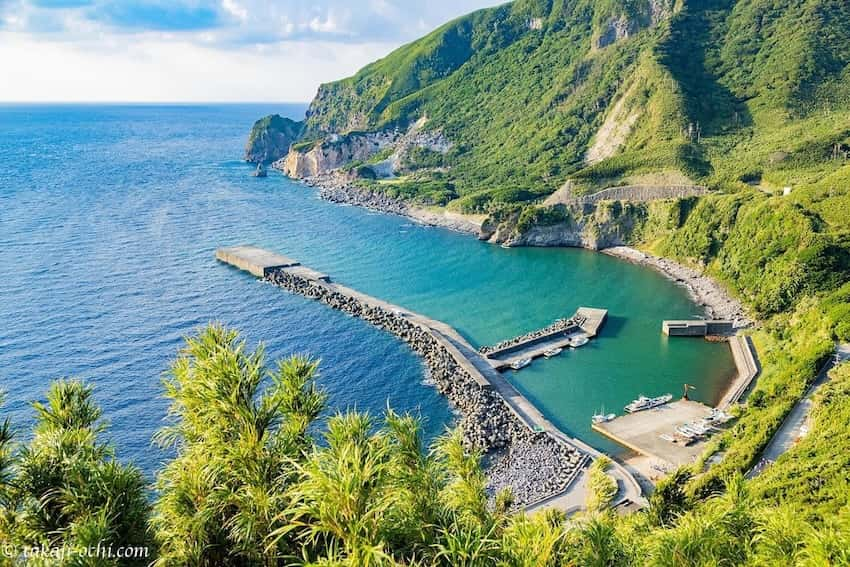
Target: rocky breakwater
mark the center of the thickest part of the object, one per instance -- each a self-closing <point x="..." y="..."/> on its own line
<point x="559" y="326"/>
<point x="534" y="465"/>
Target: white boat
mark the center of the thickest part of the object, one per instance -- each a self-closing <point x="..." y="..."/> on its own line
<point x="686" y="431"/>
<point x="552" y="352"/>
<point x="644" y="403"/>
<point x="521" y="363"/>
<point x="578" y="341"/>
<point x="602" y="418"/>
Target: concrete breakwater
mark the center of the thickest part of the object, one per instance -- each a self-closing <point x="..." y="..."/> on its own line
<point x="534" y="465"/>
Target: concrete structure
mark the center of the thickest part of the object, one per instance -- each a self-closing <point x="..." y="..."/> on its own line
<point x="746" y="362"/>
<point x="586" y="322"/>
<point x="257" y="261"/>
<point x="641" y="431"/>
<point x="697" y="328"/>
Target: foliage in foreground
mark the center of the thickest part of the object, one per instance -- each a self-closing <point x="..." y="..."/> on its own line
<point x="253" y="483"/>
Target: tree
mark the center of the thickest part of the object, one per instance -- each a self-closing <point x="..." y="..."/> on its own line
<point x="68" y="490"/>
<point x="237" y="429"/>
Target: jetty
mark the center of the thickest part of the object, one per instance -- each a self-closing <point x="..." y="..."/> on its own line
<point x="496" y="411"/>
<point x="697" y="327"/>
<point x="586" y="322"/>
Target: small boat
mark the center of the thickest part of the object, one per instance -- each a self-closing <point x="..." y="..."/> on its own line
<point x="521" y="363"/>
<point x="552" y="352"/>
<point x="644" y="403"/>
<point x="602" y="418"/>
<point x="578" y="341"/>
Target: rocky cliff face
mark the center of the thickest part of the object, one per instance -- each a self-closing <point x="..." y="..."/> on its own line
<point x="271" y="137"/>
<point x="334" y="152"/>
<point x="592" y="226"/>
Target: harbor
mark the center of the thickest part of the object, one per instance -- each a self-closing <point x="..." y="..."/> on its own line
<point x="539" y="462"/>
<point x="655" y="432"/>
<point x="674" y="433"/>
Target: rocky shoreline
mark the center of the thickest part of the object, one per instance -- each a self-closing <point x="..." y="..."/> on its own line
<point x="337" y="188"/>
<point x="703" y="290"/>
<point x="533" y="465"/>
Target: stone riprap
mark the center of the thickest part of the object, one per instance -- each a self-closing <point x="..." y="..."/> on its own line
<point x="534" y="465"/>
<point x="559" y="326"/>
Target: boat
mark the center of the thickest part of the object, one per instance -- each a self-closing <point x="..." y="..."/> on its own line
<point x="602" y="418"/>
<point x="578" y="341"/>
<point x="521" y="363"/>
<point x="644" y="403"/>
<point x="552" y="352"/>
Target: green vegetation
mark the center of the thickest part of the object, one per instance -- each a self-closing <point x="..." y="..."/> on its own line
<point x="255" y="482"/>
<point x="727" y="93"/>
<point x="601" y="488"/>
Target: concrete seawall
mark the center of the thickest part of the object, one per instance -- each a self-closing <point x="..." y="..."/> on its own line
<point x="527" y="452"/>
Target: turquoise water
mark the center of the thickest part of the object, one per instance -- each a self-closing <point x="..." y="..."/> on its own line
<point x="109" y="217"/>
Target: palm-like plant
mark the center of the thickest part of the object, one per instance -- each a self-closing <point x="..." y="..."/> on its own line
<point x="238" y="429"/>
<point x="69" y="489"/>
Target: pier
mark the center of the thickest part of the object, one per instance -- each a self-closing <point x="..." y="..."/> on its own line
<point x="468" y="364"/>
<point x="586" y="322"/>
<point x="642" y="431"/>
<point x="697" y="327"/>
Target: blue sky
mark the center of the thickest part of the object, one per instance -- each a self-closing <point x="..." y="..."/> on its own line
<point x="200" y="50"/>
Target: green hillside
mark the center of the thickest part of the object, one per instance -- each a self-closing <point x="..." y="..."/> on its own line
<point x="727" y="93"/>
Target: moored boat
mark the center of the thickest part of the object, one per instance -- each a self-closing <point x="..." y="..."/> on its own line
<point x="602" y="418"/>
<point x="521" y="363"/>
<point x="578" y="341"/>
<point x="552" y="352"/>
<point x="645" y="403"/>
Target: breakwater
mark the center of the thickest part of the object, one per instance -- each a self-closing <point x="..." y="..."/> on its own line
<point x="532" y="464"/>
<point x="560" y="326"/>
<point x="520" y="453"/>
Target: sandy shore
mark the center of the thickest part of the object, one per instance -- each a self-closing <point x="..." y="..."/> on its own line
<point x="706" y="292"/>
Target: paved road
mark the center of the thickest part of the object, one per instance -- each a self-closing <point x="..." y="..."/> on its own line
<point x="790" y="430"/>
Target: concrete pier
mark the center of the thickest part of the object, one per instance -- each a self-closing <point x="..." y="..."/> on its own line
<point x="641" y="431"/>
<point x="697" y="327"/>
<point x="255" y="260"/>
<point x="586" y="322"/>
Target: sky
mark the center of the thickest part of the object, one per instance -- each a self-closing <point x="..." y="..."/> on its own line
<point x="200" y="50"/>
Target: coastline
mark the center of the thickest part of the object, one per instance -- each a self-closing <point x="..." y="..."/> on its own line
<point x="703" y="290"/>
<point x="334" y="188"/>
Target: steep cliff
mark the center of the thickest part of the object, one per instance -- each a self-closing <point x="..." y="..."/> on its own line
<point x="271" y="137"/>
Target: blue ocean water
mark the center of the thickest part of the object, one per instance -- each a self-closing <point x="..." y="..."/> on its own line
<point x="109" y="217"/>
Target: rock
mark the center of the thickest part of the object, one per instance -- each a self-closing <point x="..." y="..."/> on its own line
<point x="271" y="137"/>
<point x="260" y="171"/>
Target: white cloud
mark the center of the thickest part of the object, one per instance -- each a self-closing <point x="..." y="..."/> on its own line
<point x="151" y="69"/>
<point x="236" y="10"/>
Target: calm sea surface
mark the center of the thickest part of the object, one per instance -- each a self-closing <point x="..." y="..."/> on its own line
<point x="109" y="217"/>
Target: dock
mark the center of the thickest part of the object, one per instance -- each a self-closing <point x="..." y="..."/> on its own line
<point x="254" y="260"/>
<point x="262" y="263"/>
<point x="586" y="322"/>
<point x="641" y="431"/>
<point x="697" y="327"/>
